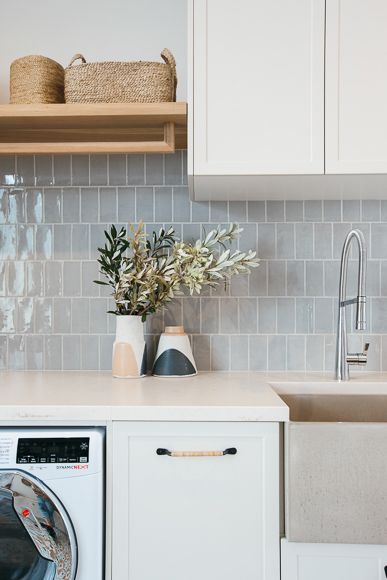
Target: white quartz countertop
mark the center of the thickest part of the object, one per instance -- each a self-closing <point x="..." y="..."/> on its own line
<point x="96" y="396"/>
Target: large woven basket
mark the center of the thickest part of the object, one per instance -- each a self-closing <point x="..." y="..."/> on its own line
<point x="121" y="82"/>
<point x="36" y="79"/>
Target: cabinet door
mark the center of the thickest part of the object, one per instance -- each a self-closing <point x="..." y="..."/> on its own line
<point x="332" y="561"/>
<point x="256" y="87"/>
<point x="356" y="86"/>
<point x="195" y="518"/>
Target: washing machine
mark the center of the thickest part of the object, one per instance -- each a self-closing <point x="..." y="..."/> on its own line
<point x="51" y="504"/>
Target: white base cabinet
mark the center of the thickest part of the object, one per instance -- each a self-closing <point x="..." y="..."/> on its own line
<point x="195" y="517"/>
<point x="332" y="561"/>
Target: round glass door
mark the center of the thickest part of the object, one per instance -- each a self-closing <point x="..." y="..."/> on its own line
<point x="37" y="540"/>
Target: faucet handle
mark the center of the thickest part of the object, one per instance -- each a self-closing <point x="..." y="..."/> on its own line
<point x="359" y="358"/>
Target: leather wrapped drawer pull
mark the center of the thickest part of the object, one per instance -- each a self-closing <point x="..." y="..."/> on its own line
<point x="229" y="451"/>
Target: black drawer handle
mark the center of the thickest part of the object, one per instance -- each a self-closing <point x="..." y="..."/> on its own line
<point x="229" y="451"/>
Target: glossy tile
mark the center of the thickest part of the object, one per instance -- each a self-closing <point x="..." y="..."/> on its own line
<point x="53" y="212"/>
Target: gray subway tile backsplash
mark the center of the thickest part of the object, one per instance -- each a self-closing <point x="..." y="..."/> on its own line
<point x="267" y="315"/>
<point x="25" y="170"/>
<point x="201" y="344"/>
<point x="229" y="323"/>
<point x="53" y="211"/>
<point x="277" y="352"/>
<point x="210" y="315"/>
<point x="294" y="211"/>
<point x="116" y="170"/>
<point x="71" y="205"/>
<point x="351" y="210"/>
<point x="181" y="205"/>
<point x="285" y="241"/>
<point x="295" y="353"/>
<point x="98" y="169"/>
<point x="163" y="204"/>
<point x="44" y="170"/>
<point x="154" y="169"/>
<point x="256" y="211"/>
<point x="277" y="278"/>
<point x="135" y="166"/>
<point x="332" y="210"/>
<point x="220" y="352"/>
<point x="313" y="211"/>
<point x="62" y="169"/>
<point x="239" y="352"/>
<point x="237" y="211"/>
<point x="80" y="169"/>
<point x="275" y="211"/>
<point x="173" y="169"/>
<point x="72" y="278"/>
<point x="34" y="206"/>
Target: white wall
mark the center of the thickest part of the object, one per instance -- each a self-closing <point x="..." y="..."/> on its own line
<point x="99" y="29"/>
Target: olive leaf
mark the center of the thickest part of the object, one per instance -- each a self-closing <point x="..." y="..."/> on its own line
<point x="146" y="273"/>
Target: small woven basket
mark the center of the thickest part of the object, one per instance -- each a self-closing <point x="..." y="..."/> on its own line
<point x="121" y="82"/>
<point x="36" y="79"/>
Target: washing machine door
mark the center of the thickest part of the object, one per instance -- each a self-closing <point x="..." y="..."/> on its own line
<point x="37" y="538"/>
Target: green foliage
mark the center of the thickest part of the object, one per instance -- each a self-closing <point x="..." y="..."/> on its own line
<point x="145" y="274"/>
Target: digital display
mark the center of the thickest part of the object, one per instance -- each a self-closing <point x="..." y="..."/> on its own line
<point x="59" y="450"/>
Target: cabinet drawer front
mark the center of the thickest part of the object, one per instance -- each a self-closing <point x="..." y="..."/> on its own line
<point x="197" y="513"/>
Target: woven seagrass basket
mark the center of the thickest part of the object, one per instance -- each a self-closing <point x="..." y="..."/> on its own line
<point x="121" y="82"/>
<point x="36" y="79"/>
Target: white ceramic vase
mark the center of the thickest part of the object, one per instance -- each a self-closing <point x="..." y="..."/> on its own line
<point x="174" y="356"/>
<point x="129" y="348"/>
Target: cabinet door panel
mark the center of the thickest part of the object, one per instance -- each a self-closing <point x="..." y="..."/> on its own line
<point x="356" y="86"/>
<point x="332" y="561"/>
<point x="207" y="518"/>
<point x="257" y="71"/>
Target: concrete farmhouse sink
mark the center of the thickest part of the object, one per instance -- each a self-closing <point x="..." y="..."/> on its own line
<point x="336" y="462"/>
<point x="337" y="408"/>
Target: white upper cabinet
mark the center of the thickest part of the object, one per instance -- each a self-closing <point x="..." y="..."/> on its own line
<point x="287" y="99"/>
<point x="257" y="87"/>
<point x="356" y="86"/>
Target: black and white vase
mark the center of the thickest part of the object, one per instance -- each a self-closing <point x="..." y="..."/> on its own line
<point x="174" y="356"/>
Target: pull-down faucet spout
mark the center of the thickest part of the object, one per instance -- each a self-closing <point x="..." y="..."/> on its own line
<point x="343" y="359"/>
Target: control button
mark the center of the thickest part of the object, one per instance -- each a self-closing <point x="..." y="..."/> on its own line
<point x="25" y="513"/>
<point x="83" y="460"/>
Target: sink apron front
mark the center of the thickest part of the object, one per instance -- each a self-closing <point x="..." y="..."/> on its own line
<point x="336" y="482"/>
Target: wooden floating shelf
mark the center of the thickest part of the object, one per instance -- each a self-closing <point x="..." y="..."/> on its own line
<point x="93" y="128"/>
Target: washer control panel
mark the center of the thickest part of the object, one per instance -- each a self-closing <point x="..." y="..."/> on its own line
<point x="59" y="450"/>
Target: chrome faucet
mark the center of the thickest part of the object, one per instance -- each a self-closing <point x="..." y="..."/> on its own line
<point x="343" y="358"/>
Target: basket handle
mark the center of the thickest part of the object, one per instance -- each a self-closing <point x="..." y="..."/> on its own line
<point x="169" y="59"/>
<point x="77" y="56"/>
